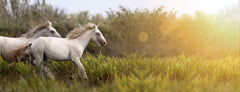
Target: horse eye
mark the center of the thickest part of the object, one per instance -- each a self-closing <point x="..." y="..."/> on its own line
<point x="52" y="31"/>
<point x="98" y="34"/>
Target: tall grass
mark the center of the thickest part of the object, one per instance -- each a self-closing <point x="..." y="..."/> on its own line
<point x="178" y="50"/>
<point x="131" y="73"/>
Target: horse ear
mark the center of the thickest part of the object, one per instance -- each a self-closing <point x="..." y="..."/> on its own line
<point x="30" y="44"/>
<point x="49" y="23"/>
<point x="95" y="26"/>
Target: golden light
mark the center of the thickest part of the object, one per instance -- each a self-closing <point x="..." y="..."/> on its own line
<point x="191" y="6"/>
<point x="143" y="36"/>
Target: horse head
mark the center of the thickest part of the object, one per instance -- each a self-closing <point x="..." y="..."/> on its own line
<point x="25" y="53"/>
<point x="45" y="30"/>
<point x="98" y="37"/>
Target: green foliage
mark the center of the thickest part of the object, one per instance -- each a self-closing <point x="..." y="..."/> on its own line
<point x="164" y="33"/>
<point x="4" y="69"/>
<point x="131" y="73"/>
<point x="200" y="35"/>
<point x="17" y="16"/>
<point x="24" y="69"/>
<point x="63" y="67"/>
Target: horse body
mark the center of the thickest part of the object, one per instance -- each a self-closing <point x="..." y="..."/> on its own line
<point x="9" y="46"/>
<point x="64" y="49"/>
<point x="53" y="48"/>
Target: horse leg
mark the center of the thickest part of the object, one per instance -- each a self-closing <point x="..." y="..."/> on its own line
<point x="38" y="65"/>
<point x="81" y="68"/>
<point x="43" y="69"/>
<point x="38" y="62"/>
<point x="49" y="74"/>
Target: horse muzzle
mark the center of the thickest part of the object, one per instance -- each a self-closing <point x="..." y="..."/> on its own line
<point x="103" y="43"/>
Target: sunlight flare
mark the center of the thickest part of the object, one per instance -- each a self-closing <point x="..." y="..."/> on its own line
<point x="143" y="36"/>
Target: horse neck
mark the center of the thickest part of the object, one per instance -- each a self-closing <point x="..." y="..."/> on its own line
<point x="35" y="36"/>
<point x="84" y="38"/>
<point x="26" y="39"/>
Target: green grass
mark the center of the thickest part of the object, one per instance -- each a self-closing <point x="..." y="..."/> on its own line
<point x="128" y="74"/>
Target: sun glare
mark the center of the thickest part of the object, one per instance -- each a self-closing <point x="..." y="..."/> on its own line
<point x="208" y="6"/>
<point x="143" y="36"/>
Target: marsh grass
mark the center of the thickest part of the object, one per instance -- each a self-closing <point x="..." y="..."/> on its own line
<point x="212" y="38"/>
<point x="128" y="74"/>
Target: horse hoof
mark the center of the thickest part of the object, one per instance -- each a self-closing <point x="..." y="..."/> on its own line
<point x="86" y="79"/>
<point x="71" y="77"/>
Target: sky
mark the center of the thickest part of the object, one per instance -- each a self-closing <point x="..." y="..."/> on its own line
<point x="182" y="6"/>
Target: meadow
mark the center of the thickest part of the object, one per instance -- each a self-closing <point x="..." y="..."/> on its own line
<point x="128" y="74"/>
<point x="195" y="53"/>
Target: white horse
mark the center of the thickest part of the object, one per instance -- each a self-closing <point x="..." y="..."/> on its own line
<point x="10" y="48"/>
<point x="70" y="48"/>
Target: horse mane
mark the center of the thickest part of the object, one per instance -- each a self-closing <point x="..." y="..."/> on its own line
<point x="76" y="32"/>
<point x="34" y="30"/>
<point x="15" y="53"/>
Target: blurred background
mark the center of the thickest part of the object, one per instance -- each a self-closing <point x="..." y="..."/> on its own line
<point x="208" y="28"/>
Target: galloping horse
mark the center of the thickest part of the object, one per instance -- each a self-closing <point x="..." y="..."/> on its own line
<point x="11" y="48"/>
<point x="62" y="49"/>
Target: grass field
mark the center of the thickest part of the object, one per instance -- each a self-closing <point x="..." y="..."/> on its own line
<point x="128" y="74"/>
<point x="158" y="34"/>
